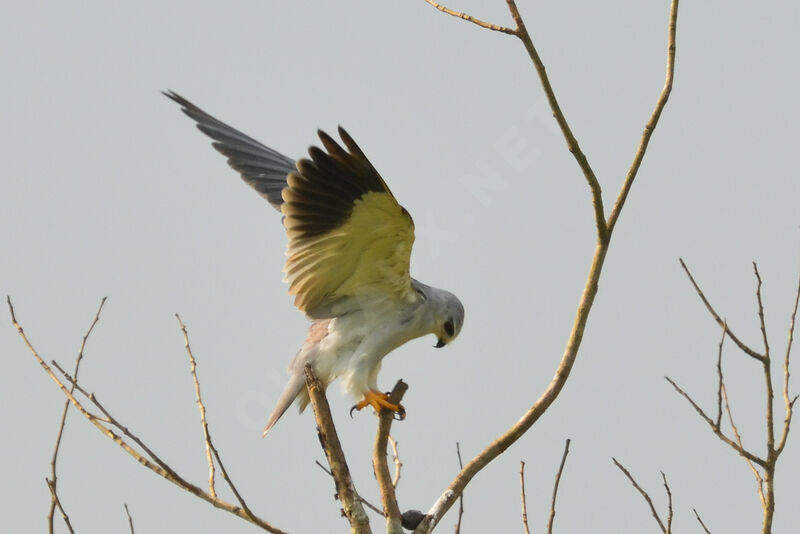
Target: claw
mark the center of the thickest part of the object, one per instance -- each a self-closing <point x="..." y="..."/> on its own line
<point x="380" y="401"/>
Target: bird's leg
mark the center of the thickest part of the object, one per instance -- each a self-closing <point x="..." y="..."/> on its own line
<point x="379" y="401"/>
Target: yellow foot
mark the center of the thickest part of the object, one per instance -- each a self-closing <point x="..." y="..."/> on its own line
<point x="380" y="401"/>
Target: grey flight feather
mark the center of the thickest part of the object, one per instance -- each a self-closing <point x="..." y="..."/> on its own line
<point x="263" y="168"/>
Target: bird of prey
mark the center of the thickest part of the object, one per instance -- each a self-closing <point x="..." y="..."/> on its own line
<point x="348" y="261"/>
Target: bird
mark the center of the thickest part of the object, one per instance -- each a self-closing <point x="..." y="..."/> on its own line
<point x="348" y="261"/>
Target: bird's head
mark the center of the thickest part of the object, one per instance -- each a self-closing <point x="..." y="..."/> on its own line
<point x="446" y="313"/>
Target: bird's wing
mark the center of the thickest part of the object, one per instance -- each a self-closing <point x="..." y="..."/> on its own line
<point x="349" y="239"/>
<point x="264" y="169"/>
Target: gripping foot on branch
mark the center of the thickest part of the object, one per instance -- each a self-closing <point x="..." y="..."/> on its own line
<point x="380" y="401"/>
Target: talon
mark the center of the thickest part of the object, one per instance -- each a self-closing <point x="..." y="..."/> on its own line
<point x="380" y="401"/>
<point x="358" y="406"/>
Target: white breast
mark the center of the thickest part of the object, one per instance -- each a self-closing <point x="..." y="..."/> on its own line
<point x="357" y="342"/>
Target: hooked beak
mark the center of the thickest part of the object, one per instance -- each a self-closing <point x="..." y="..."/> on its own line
<point x="440" y="343"/>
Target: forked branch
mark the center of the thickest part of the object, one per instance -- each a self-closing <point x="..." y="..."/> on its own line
<point x="604" y="229"/>
<point x="127" y="440"/>
<point x="666" y="529"/>
<point x="52" y="482"/>
<point x="763" y="468"/>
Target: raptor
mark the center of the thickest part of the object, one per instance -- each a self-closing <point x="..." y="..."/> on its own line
<point x="347" y="261"/>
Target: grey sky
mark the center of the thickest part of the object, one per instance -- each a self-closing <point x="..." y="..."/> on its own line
<point x="109" y="190"/>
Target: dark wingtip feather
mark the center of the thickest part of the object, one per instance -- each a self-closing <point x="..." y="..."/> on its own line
<point x="172" y="95"/>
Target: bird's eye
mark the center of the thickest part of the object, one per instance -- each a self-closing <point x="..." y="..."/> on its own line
<point x="449" y="329"/>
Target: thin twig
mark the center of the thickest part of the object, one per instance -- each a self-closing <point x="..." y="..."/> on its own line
<point x="52" y="483"/>
<point x="722" y="399"/>
<point x="362" y="499"/>
<point x="460" y="497"/>
<point x="371" y="506"/>
<point x="200" y="406"/>
<point x="669" y="502"/>
<point x="57" y="504"/>
<point x="555" y="488"/>
<point x="714" y="428"/>
<point x="770" y="395"/>
<point x="209" y="444"/>
<point x="345" y="490"/>
<point x="152" y="461"/>
<point x="394" y="522"/>
<point x="644" y="494"/>
<point x="130" y="519"/>
<point x="719" y="375"/>
<point x="522" y="497"/>
<point x="744" y="348"/>
<point x="738" y="437"/>
<point x="473" y="20"/>
<point x="788" y="403"/>
<point x="227" y="478"/>
<point x="705" y="528"/>
<point x="456" y="487"/>
<point x="761" y="321"/>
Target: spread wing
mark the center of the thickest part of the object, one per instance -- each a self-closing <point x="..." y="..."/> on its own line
<point x="264" y="169"/>
<point x="349" y="239"/>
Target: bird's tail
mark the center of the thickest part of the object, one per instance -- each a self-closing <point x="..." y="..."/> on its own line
<point x="290" y="392"/>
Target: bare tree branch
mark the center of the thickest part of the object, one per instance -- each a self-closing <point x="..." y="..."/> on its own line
<point x="669" y="502"/>
<point x="152" y="461"/>
<point x="770" y="394"/>
<point x="714" y="428"/>
<point x="765" y="480"/>
<point x="747" y="350"/>
<point x="522" y="497"/>
<point x="345" y="490"/>
<point x="761" y="321"/>
<point x="705" y="528"/>
<point x="719" y="375"/>
<point x="364" y="501"/>
<point x="569" y="137"/>
<point x="473" y="20"/>
<point x="555" y="488"/>
<point x="646" y="497"/>
<point x="52" y="483"/>
<point x="209" y="444"/>
<point x="200" y="406"/>
<point x="652" y="122"/>
<point x="56" y="503"/>
<point x="460" y="497"/>
<point x="448" y="498"/>
<point x="735" y="429"/>
<point x="130" y="519"/>
<point x="788" y="403"/>
<point x="381" y="466"/>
